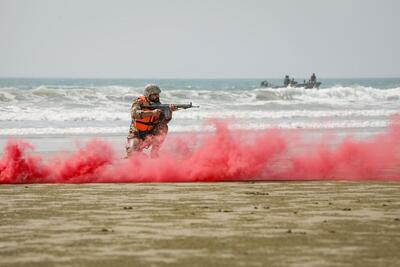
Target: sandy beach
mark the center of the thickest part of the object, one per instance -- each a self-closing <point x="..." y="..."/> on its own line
<point x="200" y="224"/>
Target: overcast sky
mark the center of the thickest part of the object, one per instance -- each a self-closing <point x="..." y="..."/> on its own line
<point x="199" y="39"/>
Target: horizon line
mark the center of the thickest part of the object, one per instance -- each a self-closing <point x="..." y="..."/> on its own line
<point x="190" y="78"/>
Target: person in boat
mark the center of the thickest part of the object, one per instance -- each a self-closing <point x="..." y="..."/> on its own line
<point x="313" y="78"/>
<point x="148" y="127"/>
<point x="286" y="81"/>
<point x="264" y="84"/>
<point x="292" y="82"/>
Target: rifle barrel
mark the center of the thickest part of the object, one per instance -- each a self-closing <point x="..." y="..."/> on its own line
<point x="161" y="106"/>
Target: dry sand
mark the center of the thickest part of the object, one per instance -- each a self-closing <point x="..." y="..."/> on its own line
<point x="201" y="224"/>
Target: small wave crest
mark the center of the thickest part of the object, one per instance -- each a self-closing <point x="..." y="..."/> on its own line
<point x="121" y="113"/>
<point x="198" y="127"/>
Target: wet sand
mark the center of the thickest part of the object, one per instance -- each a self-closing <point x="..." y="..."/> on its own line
<point x="201" y="224"/>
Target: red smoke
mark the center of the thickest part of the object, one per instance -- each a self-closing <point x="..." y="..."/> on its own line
<point x="225" y="155"/>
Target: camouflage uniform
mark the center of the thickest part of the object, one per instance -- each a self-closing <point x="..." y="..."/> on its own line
<point x="139" y="140"/>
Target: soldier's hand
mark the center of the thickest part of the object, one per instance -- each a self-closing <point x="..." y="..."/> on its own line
<point x="172" y="107"/>
<point x="157" y="113"/>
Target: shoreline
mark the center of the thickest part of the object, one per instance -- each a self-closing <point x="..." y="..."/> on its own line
<point x="61" y="143"/>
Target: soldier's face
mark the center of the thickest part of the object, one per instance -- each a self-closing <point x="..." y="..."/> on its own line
<point x="154" y="97"/>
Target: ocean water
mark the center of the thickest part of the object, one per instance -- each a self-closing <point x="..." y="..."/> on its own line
<point x="54" y="107"/>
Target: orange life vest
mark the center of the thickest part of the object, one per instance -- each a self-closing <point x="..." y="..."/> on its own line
<point x="147" y="123"/>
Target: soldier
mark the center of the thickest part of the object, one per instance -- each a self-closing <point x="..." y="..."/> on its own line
<point x="313" y="78"/>
<point x="286" y="81"/>
<point x="148" y="128"/>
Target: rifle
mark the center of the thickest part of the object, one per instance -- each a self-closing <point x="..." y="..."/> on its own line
<point x="166" y="112"/>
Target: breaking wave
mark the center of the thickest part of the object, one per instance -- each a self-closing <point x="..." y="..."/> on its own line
<point x="123" y="94"/>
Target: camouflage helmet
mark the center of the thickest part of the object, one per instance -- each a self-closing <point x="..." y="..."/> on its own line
<point x="151" y="89"/>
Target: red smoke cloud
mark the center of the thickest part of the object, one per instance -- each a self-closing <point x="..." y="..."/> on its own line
<point x="225" y="155"/>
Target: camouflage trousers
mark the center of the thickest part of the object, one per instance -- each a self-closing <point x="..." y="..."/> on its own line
<point x="138" y="141"/>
